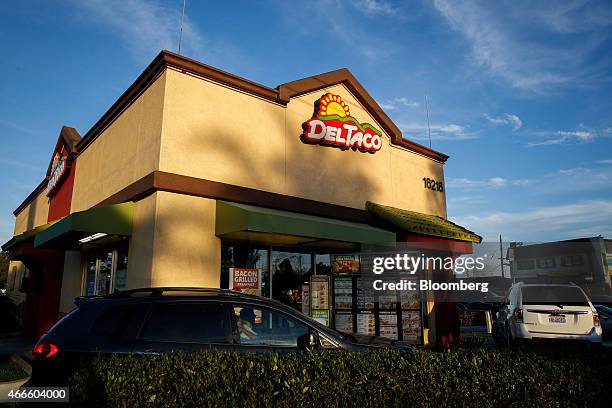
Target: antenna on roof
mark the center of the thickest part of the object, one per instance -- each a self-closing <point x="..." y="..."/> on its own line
<point x="428" y="127"/>
<point x="181" y="32"/>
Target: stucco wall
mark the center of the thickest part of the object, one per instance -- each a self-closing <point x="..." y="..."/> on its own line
<point x="140" y="255"/>
<point x="33" y="215"/>
<point x="219" y="134"/>
<point x="187" y="252"/>
<point x="72" y="280"/>
<point x="126" y="151"/>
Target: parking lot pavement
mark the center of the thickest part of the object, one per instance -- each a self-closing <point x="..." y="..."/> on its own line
<point x="18" y="346"/>
<point x="6" y="387"/>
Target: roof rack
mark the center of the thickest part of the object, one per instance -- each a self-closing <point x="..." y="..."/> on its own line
<point x="159" y="291"/>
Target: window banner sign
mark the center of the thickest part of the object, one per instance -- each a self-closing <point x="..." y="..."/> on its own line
<point x="246" y="280"/>
<point x="345" y="264"/>
<point x="332" y="125"/>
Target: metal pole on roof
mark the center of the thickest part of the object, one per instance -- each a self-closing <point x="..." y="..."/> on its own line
<point x="428" y="127"/>
<point x="181" y="31"/>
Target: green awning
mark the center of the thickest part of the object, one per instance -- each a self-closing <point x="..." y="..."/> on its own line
<point x="25" y="236"/>
<point x="114" y="220"/>
<point x="242" y="221"/>
<point x="419" y="223"/>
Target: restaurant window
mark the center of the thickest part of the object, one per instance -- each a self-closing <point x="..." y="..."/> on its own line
<point x="105" y="271"/>
<point x="291" y="270"/>
<point x="246" y="259"/>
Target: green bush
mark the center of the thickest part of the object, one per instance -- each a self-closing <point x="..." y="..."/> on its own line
<point x="474" y="377"/>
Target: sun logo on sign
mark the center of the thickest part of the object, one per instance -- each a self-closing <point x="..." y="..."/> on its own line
<point x="332" y="105"/>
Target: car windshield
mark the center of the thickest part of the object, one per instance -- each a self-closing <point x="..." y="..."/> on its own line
<point x="553" y="295"/>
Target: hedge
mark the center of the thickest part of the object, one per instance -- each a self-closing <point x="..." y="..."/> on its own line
<point x="476" y="377"/>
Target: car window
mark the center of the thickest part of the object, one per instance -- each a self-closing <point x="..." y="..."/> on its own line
<point x="266" y="327"/>
<point x="553" y="295"/>
<point x="473" y="318"/>
<point x="120" y="321"/>
<point x="188" y="322"/>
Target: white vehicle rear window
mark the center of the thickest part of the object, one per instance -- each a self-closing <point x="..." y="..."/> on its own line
<point x="553" y="295"/>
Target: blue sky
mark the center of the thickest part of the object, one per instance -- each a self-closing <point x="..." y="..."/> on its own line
<point x="520" y="91"/>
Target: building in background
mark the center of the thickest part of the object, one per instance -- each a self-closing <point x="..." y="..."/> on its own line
<point x="197" y="177"/>
<point x="586" y="262"/>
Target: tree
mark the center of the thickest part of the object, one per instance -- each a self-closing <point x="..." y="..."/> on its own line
<point x="4" y="267"/>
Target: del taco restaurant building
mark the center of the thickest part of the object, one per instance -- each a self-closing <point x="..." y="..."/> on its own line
<point x="196" y="177"/>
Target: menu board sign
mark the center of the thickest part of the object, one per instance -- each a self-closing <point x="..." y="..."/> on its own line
<point x="245" y="280"/>
<point x="366" y="323"/>
<point x="410" y="299"/>
<point x="345" y="264"/>
<point x="343" y="292"/>
<point x="411" y="326"/>
<point x="321" y="316"/>
<point x="387" y="302"/>
<point x="344" y="322"/>
<point x="365" y="294"/>
<point x="319" y="292"/>
<point x="306" y="299"/>
<point x="389" y="332"/>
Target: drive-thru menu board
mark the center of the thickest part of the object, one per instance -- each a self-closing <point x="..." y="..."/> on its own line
<point x="356" y="307"/>
<point x="319" y="298"/>
<point x="343" y="293"/>
<point x="366" y="323"/>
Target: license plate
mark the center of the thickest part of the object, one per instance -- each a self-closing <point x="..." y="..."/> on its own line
<point x="557" y="319"/>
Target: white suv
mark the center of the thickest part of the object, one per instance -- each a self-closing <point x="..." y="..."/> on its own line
<point x="548" y="311"/>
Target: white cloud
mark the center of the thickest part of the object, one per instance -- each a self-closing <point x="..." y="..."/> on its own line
<point x="490" y="183"/>
<point x="607" y="161"/>
<point x="563" y="136"/>
<point x="145" y="27"/>
<point x="380" y="7"/>
<point x="449" y="131"/>
<point x="399" y="103"/>
<point x="496" y="34"/>
<point x="583" y="218"/>
<point x="507" y="119"/>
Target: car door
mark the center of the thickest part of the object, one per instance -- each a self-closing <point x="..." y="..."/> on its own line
<point x="187" y="326"/>
<point x="260" y="329"/>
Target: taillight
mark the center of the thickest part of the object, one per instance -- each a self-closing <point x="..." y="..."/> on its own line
<point x="596" y="322"/>
<point x="518" y="315"/>
<point x="44" y="350"/>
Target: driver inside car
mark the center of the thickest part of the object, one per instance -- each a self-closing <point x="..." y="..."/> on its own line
<point x="245" y="324"/>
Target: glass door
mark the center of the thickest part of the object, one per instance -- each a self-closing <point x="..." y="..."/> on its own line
<point x="290" y="272"/>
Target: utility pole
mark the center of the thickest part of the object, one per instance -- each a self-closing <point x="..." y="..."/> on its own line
<point x="428" y="126"/>
<point x="501" y="256"/>
<point x="181" y="30"/>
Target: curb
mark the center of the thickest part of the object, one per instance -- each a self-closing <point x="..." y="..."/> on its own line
<point x="21" y="362"/>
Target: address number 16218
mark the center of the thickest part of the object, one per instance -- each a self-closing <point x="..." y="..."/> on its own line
<point x="432" y="184"/>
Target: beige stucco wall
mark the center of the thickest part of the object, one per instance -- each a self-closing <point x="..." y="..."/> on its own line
<point x="215" y="133"/>
<point x="33" y="215"/>
<point x="126" y="151"/>
<point x="72" y="280"/>
<point x="173" y="242"/>
<point x="140" y="255"/>
<point x="187" y="252"/>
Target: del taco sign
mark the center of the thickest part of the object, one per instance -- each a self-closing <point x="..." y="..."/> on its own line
<point x="332" y="125"/>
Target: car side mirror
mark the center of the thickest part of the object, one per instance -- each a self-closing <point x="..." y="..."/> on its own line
<point x="308" y="341"/>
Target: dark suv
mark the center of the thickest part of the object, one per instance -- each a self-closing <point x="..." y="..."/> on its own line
<point x="160" y="320"/>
